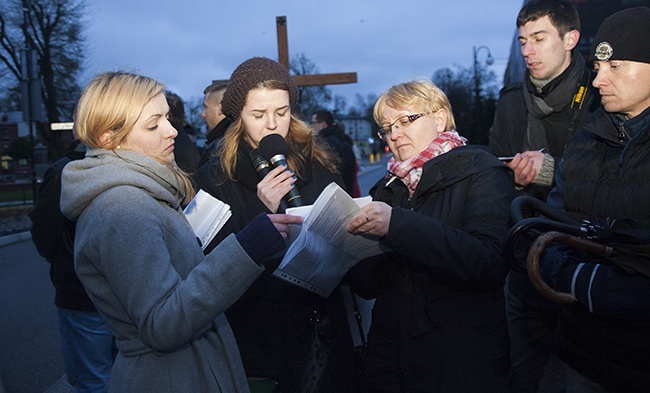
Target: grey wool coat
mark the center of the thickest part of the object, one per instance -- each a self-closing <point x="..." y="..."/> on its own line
<point x="142" y="266"/>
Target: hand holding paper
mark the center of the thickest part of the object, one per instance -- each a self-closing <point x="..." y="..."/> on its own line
<point x="323" y="252"/>
<point x="374" y="221"/>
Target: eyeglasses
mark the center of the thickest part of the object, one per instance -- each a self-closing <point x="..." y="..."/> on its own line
<point x="402" y="121"/>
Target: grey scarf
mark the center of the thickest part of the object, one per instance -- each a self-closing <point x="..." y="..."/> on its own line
<point x="555" y="101"/>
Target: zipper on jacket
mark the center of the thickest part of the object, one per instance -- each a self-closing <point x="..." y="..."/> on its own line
<point x="622" y="134"/>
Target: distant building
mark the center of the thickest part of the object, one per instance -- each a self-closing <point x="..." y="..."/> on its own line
<point x="592" y="13"/>
<point x="12" y="128"/>
<point x="360" y="130"/>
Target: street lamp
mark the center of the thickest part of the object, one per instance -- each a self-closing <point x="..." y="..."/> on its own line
<point x="477" y="80"/>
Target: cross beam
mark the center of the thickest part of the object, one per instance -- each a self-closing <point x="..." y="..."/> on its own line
<point x="307" y="80"/>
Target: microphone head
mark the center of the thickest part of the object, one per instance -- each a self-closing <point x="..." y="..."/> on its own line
<point x="272" y="145"/>
<point x="258" y="161"/>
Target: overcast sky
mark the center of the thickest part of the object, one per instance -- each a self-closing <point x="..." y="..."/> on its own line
<point x="187" y="43"/>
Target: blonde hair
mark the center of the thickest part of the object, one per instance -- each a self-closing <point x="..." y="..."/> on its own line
<point x="112" y="102"/>
<point x="421" y="95"/>
<point x="300" y="140"/>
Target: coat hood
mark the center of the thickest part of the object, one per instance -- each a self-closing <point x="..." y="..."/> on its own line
<point x="83" y="180"/>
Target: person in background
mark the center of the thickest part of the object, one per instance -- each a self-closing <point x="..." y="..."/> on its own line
<point x="356" y="189"/>
<point x="137" y="256"/>
<point x="215" y="121"/>
<point x="323" y="124"/>
<point x="604" y="335"/>
<point x="438" y="324"/>
<point x="275" y="321"/>
<point x="555" y="99"/>
<point x="87" y="344"/>
<point x="533" y="121"/>
<point x="186" y="154"/>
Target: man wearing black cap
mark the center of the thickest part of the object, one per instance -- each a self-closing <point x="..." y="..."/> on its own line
<point x="604" y="335"/>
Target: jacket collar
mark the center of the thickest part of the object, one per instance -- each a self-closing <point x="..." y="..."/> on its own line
<point x="447" y="169"/>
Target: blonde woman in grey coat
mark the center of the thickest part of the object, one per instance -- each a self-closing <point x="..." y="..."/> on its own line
<point x="137" y="256"/>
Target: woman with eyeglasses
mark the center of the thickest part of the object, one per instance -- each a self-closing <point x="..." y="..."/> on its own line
<point x="438" y="324"/>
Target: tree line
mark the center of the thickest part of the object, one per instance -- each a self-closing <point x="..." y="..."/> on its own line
<point x="54" y="30"/>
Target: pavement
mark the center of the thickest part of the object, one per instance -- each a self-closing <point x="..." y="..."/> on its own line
<point x="15" y="237"/>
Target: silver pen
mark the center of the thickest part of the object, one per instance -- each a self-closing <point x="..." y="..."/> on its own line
<point x="507" y="159"/>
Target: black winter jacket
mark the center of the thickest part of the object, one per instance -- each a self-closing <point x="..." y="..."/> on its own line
<point x="605" y="175"/>
<point x="507" y="139"/>
<point x="53" y="236"/>
<point x="438" y="324"/>
<point x="343" y="150"/>
<point x="511" y="122"/>
<point x="274" y="320"/>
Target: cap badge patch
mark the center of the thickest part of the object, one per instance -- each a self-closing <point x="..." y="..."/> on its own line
<point x="604" y="51"/>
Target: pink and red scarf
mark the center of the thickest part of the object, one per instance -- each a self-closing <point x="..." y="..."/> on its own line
<point x="410" y="171"/>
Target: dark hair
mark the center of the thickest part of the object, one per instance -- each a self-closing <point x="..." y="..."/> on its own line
<point x="176" y="109"/>
<point x="325" y="115"/>
<point x="216" y="86"/>
<point x="562" y="13"/>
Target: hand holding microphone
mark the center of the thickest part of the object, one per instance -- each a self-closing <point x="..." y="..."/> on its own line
<point x="274" y="149"/>
<point x="263" y="168"/>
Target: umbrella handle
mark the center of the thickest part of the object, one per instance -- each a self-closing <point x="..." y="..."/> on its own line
<point x="538" y="246"/>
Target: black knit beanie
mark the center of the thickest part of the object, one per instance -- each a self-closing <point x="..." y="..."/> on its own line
<point x="623" y="36"/>
<point x="247" y="75"/>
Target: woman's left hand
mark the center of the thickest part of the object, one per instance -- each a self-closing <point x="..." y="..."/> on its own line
<point x="375" y="220"/>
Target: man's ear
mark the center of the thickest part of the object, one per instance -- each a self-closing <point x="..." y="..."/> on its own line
<point x="571" y="39"/>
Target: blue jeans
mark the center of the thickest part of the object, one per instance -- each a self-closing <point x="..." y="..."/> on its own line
<point x="88" y="349"/>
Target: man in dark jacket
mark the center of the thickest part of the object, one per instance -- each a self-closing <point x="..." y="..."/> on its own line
<point x="186" y="153"/>
<point x="604" y="335"/>
<point x="215" y="121"/>
<point x="322" y="122"/>
<point x="86" y="342"/>
<point x="556" y="98"/>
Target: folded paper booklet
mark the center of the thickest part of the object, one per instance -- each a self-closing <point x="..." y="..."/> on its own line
<point x="321" y="250"/>
<point x="206" y="215"/>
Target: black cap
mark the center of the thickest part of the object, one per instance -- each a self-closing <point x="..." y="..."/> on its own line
<point x="624" y="35"/>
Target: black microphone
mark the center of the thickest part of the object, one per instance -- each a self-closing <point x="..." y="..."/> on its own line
<point x="263" y="168"/>
<point x="274" y="149"/>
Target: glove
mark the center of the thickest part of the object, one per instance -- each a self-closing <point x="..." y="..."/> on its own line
<point x="554" y="263"/>
<point x="260" y="239"/>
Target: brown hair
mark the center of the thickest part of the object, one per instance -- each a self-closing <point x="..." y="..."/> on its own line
<point x="301" y="141"/>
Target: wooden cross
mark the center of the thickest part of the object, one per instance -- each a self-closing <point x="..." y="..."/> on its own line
<point x="307" y="80"/>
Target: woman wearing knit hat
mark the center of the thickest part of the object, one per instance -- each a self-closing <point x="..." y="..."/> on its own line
<point x="274" y="322"/>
